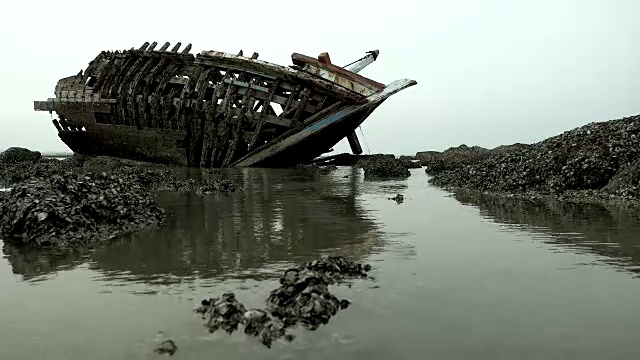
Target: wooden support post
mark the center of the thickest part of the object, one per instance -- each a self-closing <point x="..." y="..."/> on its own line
<point x="223" y="127"/>
<point x="304" y="99"/>
<point x="237" y="128"/>
<point x="260" y="120"/>
<point x="211" y="126"/>
<point x="63" y="123"/>
<point x="56" y="124"/>
<point x="176" y="47"/>
<point x="144" y="46"/>
<point x="354" y="143"/>
<point x="197" y="120"/>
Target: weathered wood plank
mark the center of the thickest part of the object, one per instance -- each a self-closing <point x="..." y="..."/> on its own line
<point x="247" y="105"/>
<point x="274" y="71"/>
<point x="262" y="116"/>
<point x="223" y="134"/>
<point x="304" y="99"/>
<point x="283" y="85"/>
<point x="195" y="136"/>
<point x="133" y="104"/>
<point x="304" y="60"/>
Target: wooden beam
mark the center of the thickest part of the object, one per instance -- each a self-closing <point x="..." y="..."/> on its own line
<point x="262" y="116"/>
<point x="274" y="71"/>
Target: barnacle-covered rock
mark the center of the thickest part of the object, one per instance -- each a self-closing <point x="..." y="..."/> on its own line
<point x="71" y="209"/>
<point x="583" y="159"/>
<point x="303" y="298"/>
<point x="167" y="347"/>
<point x="224" y="313"/>
<point x="17" y="155"/>
<point x="386" y="168"/>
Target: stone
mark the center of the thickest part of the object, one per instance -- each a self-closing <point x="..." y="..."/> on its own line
<point x="386" y="168"/>
<point x="17" y="154"/>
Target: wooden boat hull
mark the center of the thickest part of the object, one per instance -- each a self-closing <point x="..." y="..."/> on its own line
<point x="128" y="142"/>
<point x="212" y="110"/>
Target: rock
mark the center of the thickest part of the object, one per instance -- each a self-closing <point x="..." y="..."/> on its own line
<point x="386" y="168"/>
<point x="303" y="297"/>
<point x="167" y="347"/>
<point x="398" y="198"/>
<point x="12" y="173"/>
<point x="102" y="163"/>
<point x="587" y="158"/>
<point x="224" y="313"/>
<point x="626" y="182"/>
<point x="454" y="158"/>
<point x="68" y="209"/>
<point x="502" y="149"/>
<point x="323" y="169"/>
<point x="17" y="154"/>
<point x="426" y="155"/>
<point x="412" y="164"/>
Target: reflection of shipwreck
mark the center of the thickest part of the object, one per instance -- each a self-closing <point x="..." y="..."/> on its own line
<point x="214" y="109"/>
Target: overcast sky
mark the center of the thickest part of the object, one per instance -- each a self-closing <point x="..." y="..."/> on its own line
<point x="489" y="72"/>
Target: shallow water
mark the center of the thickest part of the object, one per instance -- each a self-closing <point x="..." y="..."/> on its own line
<point x="456" y="276"/>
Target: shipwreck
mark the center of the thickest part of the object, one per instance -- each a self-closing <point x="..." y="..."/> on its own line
<point x="214" y="109"/>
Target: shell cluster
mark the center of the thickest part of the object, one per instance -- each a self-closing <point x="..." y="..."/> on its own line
<point x="303" y="298"/>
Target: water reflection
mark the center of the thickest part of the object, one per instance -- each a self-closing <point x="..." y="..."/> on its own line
<point x="35" y="265"/>
<point x="608" y="232"/>
<point x="281" y="216"/>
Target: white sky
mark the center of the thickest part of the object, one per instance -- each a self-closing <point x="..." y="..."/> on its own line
<point x="489" y="72"/>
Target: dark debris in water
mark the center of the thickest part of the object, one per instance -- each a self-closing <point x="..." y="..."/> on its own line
<point x="203" y="187"/>
<point x="303" y="298"/>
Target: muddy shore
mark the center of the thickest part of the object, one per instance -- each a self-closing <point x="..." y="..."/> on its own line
<point x="87" y="200"/>
<point x="82" y="200"/>
<point x="595" y="163"/>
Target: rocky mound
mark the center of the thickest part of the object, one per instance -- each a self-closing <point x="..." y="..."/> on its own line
<point x="70" y="208"/>
<point x="386" y="168"/>
<point x="585" y="158"/>
<point x="17" y="154"/>
<point x="11" y="173"/>
<point x="454" y="158"/>
<point x="626" y="182"/>
<point x="302" y="298"/>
